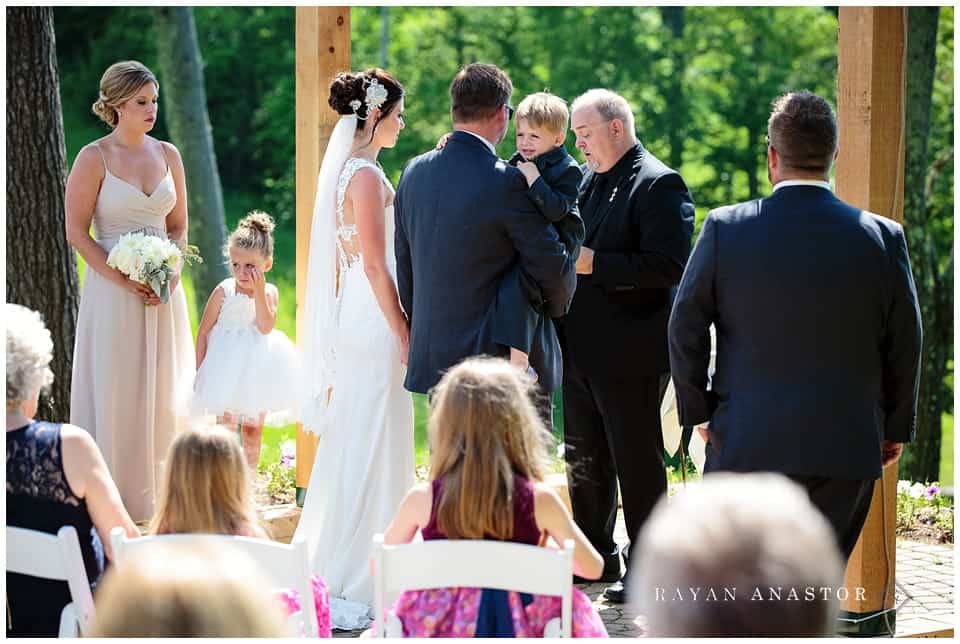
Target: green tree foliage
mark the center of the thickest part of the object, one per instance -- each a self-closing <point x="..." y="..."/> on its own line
<point x="928" y="214"/>
<point x="701" y="80"/>
<point x="248" y="55"/>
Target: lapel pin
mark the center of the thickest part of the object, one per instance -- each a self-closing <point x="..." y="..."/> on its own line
<point x="614" y="193"/>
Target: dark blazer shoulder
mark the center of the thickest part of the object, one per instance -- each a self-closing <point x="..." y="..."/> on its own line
<point x="732" y="213"/>
<point x="420" y="159"/>
<point x="650" y="167"/>
<point x="886" y="227"/>
<point x="566" y="161"/>
<point x="653" y="174"/>
<point x="886" y="233"/>
<point x="566" y="173"/>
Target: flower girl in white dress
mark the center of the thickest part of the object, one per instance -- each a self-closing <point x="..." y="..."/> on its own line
<point x="247" y="371"/>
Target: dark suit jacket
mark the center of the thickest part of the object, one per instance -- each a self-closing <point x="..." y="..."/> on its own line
<point x="555" y="194"/>
<point x="462" y="219"/>
<point x="617" y="324"/>
<point x="818" y="336"/>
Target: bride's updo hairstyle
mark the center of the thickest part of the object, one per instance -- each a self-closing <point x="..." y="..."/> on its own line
<point x="348" y="95"/>
<point x="119" y="84"/>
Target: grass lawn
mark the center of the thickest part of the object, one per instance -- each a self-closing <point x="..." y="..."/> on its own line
<point x="274" y="436"/>
<point x="946" y="451"/>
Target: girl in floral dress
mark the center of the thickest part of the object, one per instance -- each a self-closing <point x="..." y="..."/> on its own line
<point x="488" y="458"/>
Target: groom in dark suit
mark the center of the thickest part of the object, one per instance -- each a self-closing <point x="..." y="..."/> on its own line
<point x="463" y="219"/>
<point x="818" y="329"/>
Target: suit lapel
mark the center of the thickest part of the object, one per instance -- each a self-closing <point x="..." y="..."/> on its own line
<point x="611" y="197"/>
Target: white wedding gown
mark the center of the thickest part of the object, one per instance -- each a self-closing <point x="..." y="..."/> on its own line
<point x="365" y="460"/>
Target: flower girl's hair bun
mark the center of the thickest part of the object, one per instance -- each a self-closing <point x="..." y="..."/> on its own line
<point x="255" y="231"/>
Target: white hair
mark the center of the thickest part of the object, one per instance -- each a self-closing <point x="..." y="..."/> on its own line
<point x="738" y="534"/>
<point x="609" y="104"/>
<point x="29" y="353"/>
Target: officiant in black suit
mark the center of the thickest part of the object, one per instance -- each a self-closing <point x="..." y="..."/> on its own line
<point x="818" y="329"/>
<point x="639" y="216"/>
<point x="463" y="218"/>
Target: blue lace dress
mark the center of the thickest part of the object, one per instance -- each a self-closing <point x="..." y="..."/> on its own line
<point x="39" y="498"/>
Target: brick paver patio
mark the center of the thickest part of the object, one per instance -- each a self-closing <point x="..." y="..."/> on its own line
<point x="924" y="572"/>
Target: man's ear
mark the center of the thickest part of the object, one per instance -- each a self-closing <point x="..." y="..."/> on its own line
<point x="616" y="128"/>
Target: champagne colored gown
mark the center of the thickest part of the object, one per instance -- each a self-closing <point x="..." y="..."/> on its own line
<point x="130" y="360"/>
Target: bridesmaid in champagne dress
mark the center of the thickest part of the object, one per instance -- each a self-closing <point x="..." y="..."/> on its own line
<point x="132" y="353"/>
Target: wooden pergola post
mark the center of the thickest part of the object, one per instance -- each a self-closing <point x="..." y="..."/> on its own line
<point x="323" y="49"/>
<point x="871" y="95"/>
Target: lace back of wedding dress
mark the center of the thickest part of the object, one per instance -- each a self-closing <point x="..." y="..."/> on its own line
<point x="347" y="232"/>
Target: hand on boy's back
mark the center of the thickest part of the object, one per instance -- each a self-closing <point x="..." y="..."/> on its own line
<point x="529" y="170"/>
<point x="443" y="140"/>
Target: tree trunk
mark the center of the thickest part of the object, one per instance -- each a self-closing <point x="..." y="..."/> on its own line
<point x="185" y="107"/>
<point x="921" y="460"/>
<point x="41" y="265"/>
<point x="673" y="19"/>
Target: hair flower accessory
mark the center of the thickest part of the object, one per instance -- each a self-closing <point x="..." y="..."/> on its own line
<point x="376" y="95"/>
<point x="355" y="104"/>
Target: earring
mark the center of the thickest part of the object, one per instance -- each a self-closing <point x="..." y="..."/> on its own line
<point x="119" y="114"/>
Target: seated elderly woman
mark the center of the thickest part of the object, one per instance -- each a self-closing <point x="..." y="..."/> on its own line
<point x="56" y="476"/>
<point x="738" y="555"/>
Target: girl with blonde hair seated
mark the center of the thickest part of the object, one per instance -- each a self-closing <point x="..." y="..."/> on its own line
<point x="207" y="489"/>
<point x="207" y="486"/>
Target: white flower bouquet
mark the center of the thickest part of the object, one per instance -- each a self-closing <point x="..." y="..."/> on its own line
<point x="151" y="260"/>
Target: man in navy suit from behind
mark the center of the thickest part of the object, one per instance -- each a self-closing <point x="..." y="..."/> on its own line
<point x="463" y="218"/>
<point x="818" y="329"/>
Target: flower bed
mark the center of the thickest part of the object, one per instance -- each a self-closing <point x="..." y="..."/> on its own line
<point x="276" y="483"/>
<point x="924" y="513"/>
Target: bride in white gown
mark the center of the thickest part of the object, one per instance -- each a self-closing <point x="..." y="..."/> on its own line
<point x="355" y="348"/>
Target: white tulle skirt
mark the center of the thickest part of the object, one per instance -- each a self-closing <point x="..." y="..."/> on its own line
<point x="246" y="373"/>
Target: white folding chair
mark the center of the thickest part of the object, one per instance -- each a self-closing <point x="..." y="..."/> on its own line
<point x="285" y="565"/>
<point x="474" y="564"/>
<point x="40" y="554"/>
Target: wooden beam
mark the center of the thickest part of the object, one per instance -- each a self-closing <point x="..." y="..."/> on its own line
<point x="323" y="50"/>
<point x="871" y="95"/>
